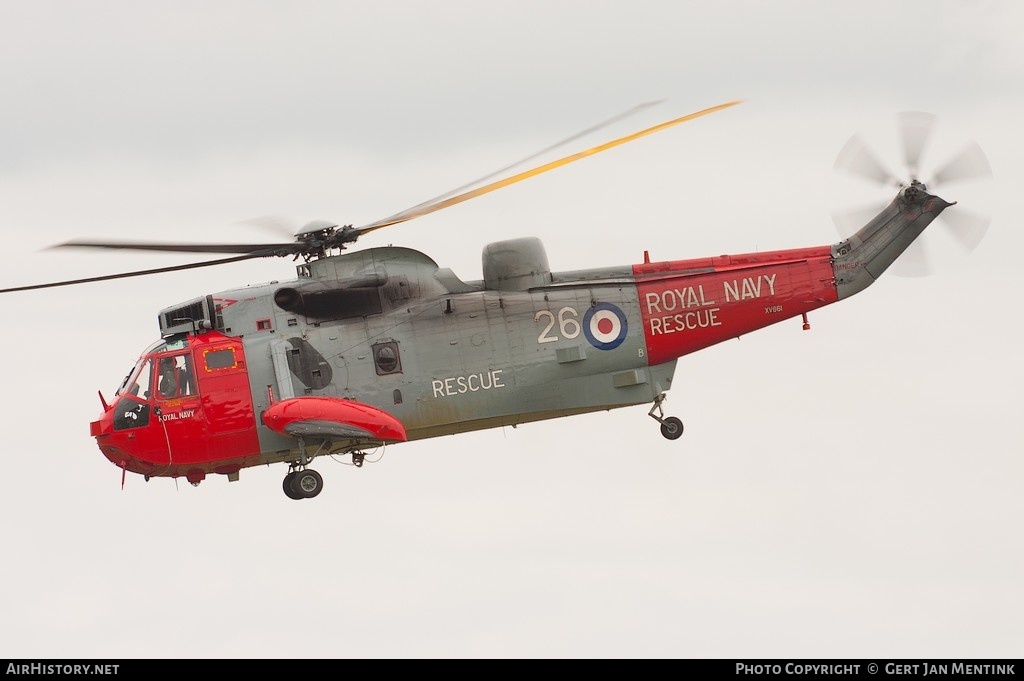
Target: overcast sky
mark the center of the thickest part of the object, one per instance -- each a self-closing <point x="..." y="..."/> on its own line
<point x="850" y="491"/>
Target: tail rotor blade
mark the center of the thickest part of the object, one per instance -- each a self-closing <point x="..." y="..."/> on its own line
<point x="961" y="227"/>
<point x="857" y="158"/>
<point x="852" y="219"/>
<point x="967" y="228"/>
<point x="915" y="128"/>
<point x="971" y="163"/>
<point x="913" y="262"/>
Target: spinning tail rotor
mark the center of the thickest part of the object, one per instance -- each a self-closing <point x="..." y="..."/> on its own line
<point x="963" y="227"/>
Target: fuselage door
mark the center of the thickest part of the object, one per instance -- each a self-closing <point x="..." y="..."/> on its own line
<point x="177" y="406"/>
<point x="226" y="398"/>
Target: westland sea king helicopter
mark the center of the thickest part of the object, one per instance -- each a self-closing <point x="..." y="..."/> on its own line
<point x="369" y="348"/>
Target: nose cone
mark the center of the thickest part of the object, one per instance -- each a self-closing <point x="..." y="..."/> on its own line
<point x="102" y="429"/>
<point x="116" y="445"/>
<point x="102" y="426"/>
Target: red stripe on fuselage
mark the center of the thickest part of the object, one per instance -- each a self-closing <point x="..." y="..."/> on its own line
<point x="687" y="305"/>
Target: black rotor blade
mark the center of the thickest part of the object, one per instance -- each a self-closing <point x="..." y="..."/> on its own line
<point x="967" y="228"/>
<point x="915" y="128"/>
<point x="139" y="273"/>
<point x="284" y="248"/>
<point x="969" y="164"/>
<point x="857" y="159"/>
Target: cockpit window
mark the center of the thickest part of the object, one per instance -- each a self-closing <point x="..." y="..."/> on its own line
<point x="175" y="377"/>
<point x="178" y="342"/>
<point x="135" y="376"/>
<point x="138" y="381"/>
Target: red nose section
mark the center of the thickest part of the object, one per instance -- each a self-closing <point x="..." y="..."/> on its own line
<point x="318" y="416"/>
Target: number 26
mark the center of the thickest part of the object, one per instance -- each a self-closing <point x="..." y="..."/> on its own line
<point x="567" y="324"/>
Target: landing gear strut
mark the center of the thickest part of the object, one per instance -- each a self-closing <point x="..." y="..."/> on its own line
<point x="671" y="427"/>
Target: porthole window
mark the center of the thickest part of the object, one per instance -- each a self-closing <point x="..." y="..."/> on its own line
<point x="386" y="358"/>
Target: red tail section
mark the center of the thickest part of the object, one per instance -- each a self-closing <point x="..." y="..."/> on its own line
<point x="687" y="305"/>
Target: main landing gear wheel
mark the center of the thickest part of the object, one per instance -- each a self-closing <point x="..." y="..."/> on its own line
<point x="672" y="428"/>
<point x="307" y="484"/>
<point x="287" y="485"/>
<point x="304" y="484"/>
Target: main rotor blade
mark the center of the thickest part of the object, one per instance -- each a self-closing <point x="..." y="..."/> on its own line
<point x="431" y="208"/>
<point x="139" y="273"/>
<point x="285" y="248"/>
<point x="857" y="159"/>
<point x="567" y="140"/>
<point x="916" y="127"/>
<point x="969" y="164"/>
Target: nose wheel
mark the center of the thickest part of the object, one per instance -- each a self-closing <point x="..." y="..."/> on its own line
<point x="671" y="427"/>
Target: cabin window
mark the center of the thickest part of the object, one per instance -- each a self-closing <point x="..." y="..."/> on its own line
<point x="220" y="359"/>
<point x="386" y="358"/>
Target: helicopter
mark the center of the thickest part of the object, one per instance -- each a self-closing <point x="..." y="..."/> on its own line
<point x="371" y="348"/>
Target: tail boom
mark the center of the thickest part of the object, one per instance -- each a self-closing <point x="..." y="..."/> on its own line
<point x="862" y="258"/>
<point x="688" y="305"/>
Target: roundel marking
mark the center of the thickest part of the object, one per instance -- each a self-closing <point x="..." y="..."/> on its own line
<point x="605" y="326"/>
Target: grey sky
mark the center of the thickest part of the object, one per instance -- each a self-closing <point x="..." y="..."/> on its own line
<point x="851" y="491"/>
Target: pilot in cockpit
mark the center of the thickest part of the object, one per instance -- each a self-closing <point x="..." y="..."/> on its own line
<point x="168" y="386"/>
<point x="175" y="377"/>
